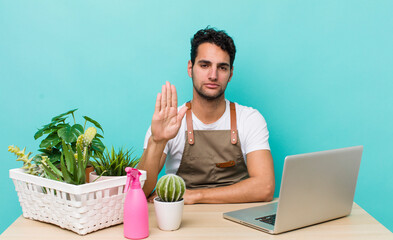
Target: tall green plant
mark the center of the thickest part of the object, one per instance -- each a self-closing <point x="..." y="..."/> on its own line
<point x="72" y="166"/>
<point x="59" y="130"/>
<point x="114" y="163"/>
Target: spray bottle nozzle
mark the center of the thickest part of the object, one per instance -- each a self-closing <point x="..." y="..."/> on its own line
<point x="132" y="175"/>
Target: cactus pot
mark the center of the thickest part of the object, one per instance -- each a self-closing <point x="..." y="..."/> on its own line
<point x="168" y="214"/>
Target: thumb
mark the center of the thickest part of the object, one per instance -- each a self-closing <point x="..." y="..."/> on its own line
<point x="181" y="113"/>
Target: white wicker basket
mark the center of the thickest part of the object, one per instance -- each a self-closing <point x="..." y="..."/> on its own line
<point x="79" y="208"/>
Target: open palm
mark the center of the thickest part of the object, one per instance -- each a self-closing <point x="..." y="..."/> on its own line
<point x="166" y="119"/>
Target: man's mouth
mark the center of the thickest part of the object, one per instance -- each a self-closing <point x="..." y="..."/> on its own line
<point x="211" y="85"/>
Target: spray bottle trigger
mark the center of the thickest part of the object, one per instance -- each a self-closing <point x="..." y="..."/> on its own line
<point x="132" y="175"/>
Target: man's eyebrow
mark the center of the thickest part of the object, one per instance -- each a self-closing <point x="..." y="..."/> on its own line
<point x="223" y="64"/>
<point x="208" y="62"/>
<point x="204" y="61"/>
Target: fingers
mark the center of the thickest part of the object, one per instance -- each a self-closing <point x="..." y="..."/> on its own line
<point x="163" y="96"/>
<point x="158" y="103"/>
<point x="167" y="97"/>
<point x="151" y="197"/>
<point x="150" y="200"/>
<point x="168" y="94"/>
<point x="174" y="96"/>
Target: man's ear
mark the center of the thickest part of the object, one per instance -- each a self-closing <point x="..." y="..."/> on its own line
<point x="189" y="68"/>
<point x="230" y="76"/>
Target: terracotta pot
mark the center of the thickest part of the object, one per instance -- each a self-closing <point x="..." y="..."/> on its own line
<point x="88" y="170"/>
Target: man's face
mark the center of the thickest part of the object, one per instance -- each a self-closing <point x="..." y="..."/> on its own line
<point x="211" y="71"/>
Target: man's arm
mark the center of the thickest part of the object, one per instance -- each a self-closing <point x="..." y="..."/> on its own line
<point x="152" y="161"/>
<point x="164" y="126"/>
<point x="259" y="187"/>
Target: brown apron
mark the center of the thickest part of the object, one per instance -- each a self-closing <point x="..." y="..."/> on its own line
<point x="212" y="158"/>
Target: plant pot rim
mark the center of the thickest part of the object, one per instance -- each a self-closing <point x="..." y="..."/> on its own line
<point x="158" y="199"/>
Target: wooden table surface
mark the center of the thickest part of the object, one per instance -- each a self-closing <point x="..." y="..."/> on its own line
<point x="205" y="221"/>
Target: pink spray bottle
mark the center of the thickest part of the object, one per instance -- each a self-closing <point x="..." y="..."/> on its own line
<point x="136" y="216"/>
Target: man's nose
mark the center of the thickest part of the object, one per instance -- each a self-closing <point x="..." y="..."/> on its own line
<point x="213" y="74"/>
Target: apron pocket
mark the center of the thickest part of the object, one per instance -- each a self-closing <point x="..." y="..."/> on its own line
<point x="226" y="164"/>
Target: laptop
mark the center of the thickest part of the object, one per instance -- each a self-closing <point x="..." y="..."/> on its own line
<point x="315" y="187"/>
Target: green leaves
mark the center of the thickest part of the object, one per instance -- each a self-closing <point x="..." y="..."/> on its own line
<point x="51" y="127"/>
<point x="51" y="171"/>
<point x="78" y="127"/>
<point x="97" y="145"/>
<point x="93" y="122"/>
<point x="58" y="147"/>
<point x="70" y="134"/>
<point x="67" y="134"/>
<point x="64" y="170"/>
<point x="44" y="129"/>
<point x="50" y="141"/>
<point x="60" y="130"/>
<point x="38" y="134"/>
<point x="112" y="163"/>
<point x="59" y="117"/>
<point x="73" y="169"/>
<point x="53" y="154"/>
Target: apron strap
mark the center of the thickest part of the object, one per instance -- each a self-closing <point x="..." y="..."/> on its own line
<point x="190" y="130"/>
<point x="233" y="123"/>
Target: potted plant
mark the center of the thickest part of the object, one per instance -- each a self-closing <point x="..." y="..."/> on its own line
<point x="169" y="203"/>
<point x="72" y="165"/>
<point x="51" y="186"/>
<point x="112" y="164"/>
<point x="59" y="130"/>
<point x="63" y="137"/>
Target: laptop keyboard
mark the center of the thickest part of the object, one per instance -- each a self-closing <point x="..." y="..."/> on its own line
<point x="271" y="219"/>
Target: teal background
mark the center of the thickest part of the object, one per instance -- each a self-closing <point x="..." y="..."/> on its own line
<point x="319" y="71"/>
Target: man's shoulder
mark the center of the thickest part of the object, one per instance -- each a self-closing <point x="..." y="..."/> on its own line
<point x="245" y="110"/>
<point x="249" y="116"/>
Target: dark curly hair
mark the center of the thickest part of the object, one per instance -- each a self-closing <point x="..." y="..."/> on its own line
<point x="217" y="37"/>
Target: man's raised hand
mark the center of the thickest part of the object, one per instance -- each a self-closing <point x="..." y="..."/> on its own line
<point x="166" y="120"/>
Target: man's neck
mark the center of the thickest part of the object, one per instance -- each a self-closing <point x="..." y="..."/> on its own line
<point x="208" y="111"/>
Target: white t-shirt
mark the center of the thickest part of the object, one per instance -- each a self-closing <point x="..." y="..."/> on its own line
<point x="251" y="126"/>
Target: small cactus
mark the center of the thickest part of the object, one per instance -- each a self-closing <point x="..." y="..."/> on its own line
<point x="171" y="188"/>
<point x="84" y="140"/>
<point x="88" y="136"/>
<point x="79" y="141"/>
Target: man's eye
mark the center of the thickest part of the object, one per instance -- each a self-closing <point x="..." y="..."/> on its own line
<point x="204" y="66"/>
<point x="223" y="68"/>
